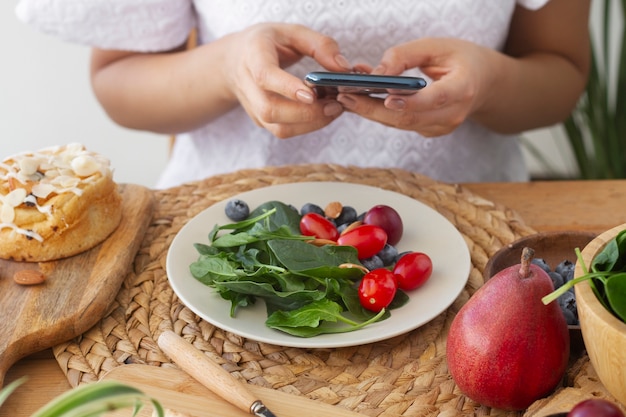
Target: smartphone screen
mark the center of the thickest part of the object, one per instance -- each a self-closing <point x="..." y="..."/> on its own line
<point x="331" y="83"/>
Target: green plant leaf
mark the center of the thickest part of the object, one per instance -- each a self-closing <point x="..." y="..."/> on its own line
<point x="596" y="129"/>
<point x="95" y="399"/>
<point x="9" y="389"/>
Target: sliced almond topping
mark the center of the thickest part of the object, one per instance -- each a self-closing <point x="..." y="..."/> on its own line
<point x="7" y="214"/>
<point x="85" y="165"/>
<point x="67" y="181"/>
<point x="13" y="183"/>
<point x="43" y="190"/>
<point x="15" y="197"/>
<point x="29" y="166"/>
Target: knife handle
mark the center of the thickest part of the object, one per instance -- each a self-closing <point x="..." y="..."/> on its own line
<point x="206" y="371"/>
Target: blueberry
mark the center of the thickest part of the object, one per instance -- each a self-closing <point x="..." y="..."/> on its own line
<point x="311" y="208"/>
<point x="570" y="318"/>
<point x="348" y="215"/>
<point x="401" y="254"/>
<point x="388" y="254"/>
<point x="372" y="263"/>
<point x="567" y="301"/>
<point x="237" y="210"/>
<point x="566" y="269"/>
<point x="541" y="263"/>
<point x="557" y="279"/>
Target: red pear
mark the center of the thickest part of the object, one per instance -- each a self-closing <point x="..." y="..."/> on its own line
<point x="505" y="348"/>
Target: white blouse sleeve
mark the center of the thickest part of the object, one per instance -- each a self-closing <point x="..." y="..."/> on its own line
<point x="532" y="4"/>
<point x="139" y="25"/>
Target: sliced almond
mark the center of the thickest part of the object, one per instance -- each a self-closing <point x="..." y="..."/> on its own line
<point x="333" y="209"/>
<point x="29" y="277"/>
<point x="351" y="226"/>
<point x="15" y="184"/>
<point x="321" y="242"/>
<point x="351" y="265"/>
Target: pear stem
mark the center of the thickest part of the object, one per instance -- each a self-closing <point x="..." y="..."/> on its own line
<point x="527" y="257"/>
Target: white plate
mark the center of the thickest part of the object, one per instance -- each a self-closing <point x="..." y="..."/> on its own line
<point x="425" y="230"/>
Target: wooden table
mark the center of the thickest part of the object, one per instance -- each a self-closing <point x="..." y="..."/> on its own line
<point x="545" y="206"/>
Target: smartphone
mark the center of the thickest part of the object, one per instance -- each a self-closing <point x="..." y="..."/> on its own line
<point x="331" y="83"/>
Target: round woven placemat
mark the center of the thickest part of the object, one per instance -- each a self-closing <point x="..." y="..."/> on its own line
<point x="403" y="376"/>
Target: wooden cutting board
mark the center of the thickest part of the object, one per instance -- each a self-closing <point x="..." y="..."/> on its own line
<point x="177" y="391"/>
<point x="77" y="290"/>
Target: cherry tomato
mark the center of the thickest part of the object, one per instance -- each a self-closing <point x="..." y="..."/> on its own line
<point x="413" y="270"/>
<point x="313" y="224"/>
<point x="377" y="289"/>
<point x="367" y="239"/>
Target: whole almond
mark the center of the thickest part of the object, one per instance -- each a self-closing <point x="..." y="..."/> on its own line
<point x="333" y="209"/>
<point x="29" y="277"/>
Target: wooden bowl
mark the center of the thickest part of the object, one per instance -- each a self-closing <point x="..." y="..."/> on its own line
<point x="604" y="334"/>
<point x="553" y="247"/>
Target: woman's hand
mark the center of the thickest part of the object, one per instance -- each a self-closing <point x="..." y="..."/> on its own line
<point x="273" y="98"/>
<point x="186" y="88"/>
<point x="535" y="82"/>
<point x="460" y="75"/>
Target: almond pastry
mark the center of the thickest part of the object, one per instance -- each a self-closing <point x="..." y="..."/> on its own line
<point x="55" y="203"/>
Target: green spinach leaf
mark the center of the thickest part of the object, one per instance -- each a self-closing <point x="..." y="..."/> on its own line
<point x="616" y="294"/>
<point x="316" y="318"/>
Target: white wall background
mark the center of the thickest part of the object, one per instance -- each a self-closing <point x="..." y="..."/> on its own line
<point x="46" y="99"/>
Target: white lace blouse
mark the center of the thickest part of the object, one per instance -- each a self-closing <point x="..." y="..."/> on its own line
<point x="363" y="29"/>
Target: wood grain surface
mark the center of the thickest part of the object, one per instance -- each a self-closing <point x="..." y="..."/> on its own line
<point x="77" y="290"/>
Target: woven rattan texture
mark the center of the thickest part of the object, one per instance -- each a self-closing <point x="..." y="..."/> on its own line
<point x="403" y="376"/>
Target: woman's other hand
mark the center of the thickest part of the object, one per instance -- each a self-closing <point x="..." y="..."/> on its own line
<point x="535" y="82"/>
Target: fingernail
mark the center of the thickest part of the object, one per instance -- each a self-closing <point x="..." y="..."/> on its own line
<point x="343" y="61"/>
<point x="395" y="104"/>
<point x="332" y="109"/>
<point x="347" y="101"/>
<point x="305" y="96"/>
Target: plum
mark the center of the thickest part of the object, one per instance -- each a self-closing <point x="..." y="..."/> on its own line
<point x="388" y="219"/>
